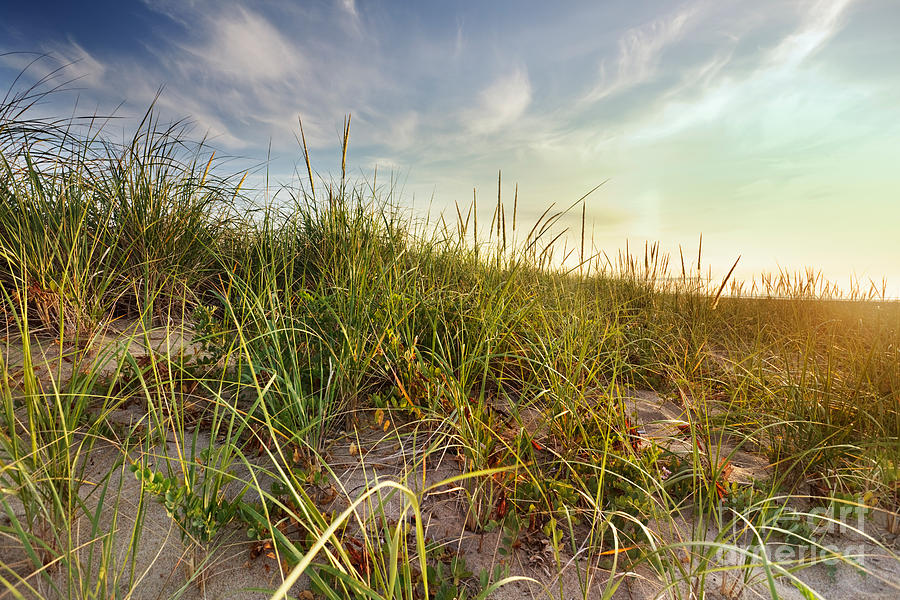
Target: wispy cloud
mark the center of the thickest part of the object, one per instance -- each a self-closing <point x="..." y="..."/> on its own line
<point x="757" y="93"/>
<point x="63" y="62"/>
<point x="349" y="7"/>
<point x="640" y="50"/>
<point x="83" y="64"/>
<point x="460" y="41"/>
<point x="243" y="76"/>
<point x="243" y="46"/>
<point x="403" y="130"/>
<point x="499" y="104"/>
<point x="823" y="19"/>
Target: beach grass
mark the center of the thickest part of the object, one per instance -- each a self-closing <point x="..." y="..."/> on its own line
<point x="328" y="313"/>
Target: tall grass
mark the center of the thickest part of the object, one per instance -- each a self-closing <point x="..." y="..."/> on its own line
<point x="330" y="308"/>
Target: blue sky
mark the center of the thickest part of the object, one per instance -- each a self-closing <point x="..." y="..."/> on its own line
<point x="771" y="127"/>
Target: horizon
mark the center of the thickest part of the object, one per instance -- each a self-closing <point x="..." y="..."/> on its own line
<point x="770" y="131"/>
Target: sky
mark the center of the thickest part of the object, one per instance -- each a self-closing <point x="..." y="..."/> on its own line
<point x="770" y="127"/>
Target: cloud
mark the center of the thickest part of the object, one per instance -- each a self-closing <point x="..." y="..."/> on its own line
<point x="351" y="22"/>
<point x="763" y="94"/>
<point x="85" y="66"/>
<point x="64" y="63"/>
<point x="823" y="21"/>
<point x="240" y="76"/>
<point x="244" y="46"/>
<point x="640" y="50"/>
<point x="349" y="7"/>
<point x="500" y="104"/>
<point x="403" y="130"/>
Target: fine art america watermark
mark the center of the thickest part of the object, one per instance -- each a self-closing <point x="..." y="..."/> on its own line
<point x="823" y="534"/>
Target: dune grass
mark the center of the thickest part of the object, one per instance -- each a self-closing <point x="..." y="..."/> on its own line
<point x="329" y="311"/>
